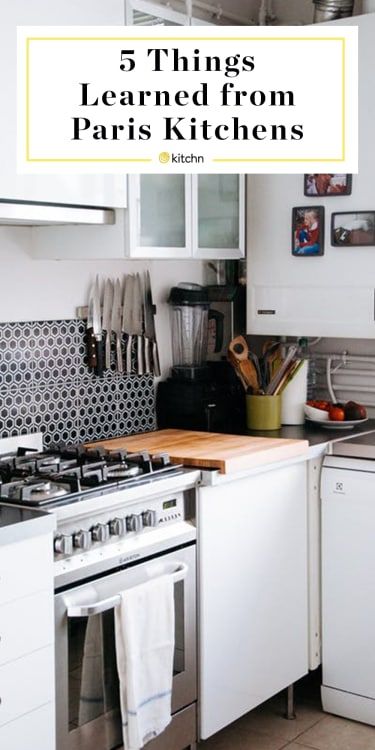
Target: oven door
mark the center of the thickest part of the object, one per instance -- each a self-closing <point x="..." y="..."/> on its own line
<point x="87" y="691"/>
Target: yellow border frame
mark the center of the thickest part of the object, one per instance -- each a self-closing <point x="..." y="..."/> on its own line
<point x="178" y="39"/>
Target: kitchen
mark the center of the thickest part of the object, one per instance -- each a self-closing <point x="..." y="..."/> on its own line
<point x="46" y="387"/>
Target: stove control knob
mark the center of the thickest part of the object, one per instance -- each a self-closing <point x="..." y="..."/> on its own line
<point x="117" y="527"/>
<point x="149" y="518"/>
<point x="133" y="522"/>
<point x="63" y="544"/>
<point x="82" y="539"/>
<point x="100" y="532"/>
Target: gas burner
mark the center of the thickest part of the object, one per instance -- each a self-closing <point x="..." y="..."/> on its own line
<point x="67" y="473"/>
<point x="122" y="471"/>
<point x="33" y="491"/>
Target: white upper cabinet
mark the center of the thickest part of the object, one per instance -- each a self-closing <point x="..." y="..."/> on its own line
<point x="186" y="216"/>
<point x="218" y="210"/>
<point x="329" y="295"/>
<point x="94" y="190"/>
<point x="160" y="216"/>
<point x="182" y="216"/>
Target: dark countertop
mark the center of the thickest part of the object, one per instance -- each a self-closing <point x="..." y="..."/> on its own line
<point x="315" y="434"/>
<point x="22" y="523"/>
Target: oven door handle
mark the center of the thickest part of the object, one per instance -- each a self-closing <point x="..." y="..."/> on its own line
<point x="86" y="610"/>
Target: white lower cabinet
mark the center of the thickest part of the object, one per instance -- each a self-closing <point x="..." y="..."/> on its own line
<point x="27" y="654"/>
<point x="253" y="594"/>
<point x="26" y="625"/>
<point x="25" y="684"/>
<point x="34" y="731"/>
<point x="25" y="568"/>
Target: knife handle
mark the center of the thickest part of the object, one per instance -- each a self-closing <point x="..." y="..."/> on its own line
<point x="155" y="359"/>
<point x="129" y="354"/>
<point x="140" y="355"/>
<point x="91" y="348"/>
<point x="99" y="370"/>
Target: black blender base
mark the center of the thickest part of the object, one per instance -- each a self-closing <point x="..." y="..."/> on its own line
<point x="210" y="406"/>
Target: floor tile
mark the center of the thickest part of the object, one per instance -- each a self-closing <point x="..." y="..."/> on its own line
<point x="298" y="746"/>
<point x="237" y="737"/>
<point x="269" y="719"/>
<point x="333" y="733"/>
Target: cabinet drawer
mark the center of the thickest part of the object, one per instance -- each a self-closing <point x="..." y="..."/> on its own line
<point x="26" y="684"/>
<point x="26" y="625"/>
<point x="25" y="567"/>
<point x="35" y="731"/>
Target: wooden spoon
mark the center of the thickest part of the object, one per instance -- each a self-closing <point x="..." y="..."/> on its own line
<point x="238" y="351"/>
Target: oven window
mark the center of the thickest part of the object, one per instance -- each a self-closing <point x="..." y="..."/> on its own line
<point x="93" y="679"/>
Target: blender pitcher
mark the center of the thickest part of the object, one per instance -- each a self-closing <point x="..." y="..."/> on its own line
<point x="189" y="317"/>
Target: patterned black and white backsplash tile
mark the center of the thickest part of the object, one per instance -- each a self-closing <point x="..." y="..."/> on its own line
<point x="46" y="386"/>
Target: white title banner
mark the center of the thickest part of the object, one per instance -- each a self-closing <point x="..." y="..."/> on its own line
<point x="187" y="99"/>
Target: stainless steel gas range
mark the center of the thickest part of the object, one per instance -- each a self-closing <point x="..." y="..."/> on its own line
<point x="121" y="519"/>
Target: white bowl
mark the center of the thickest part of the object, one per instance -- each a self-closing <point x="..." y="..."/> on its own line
<point x="318" y="414"/>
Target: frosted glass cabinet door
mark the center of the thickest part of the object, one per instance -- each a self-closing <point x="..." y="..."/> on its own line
<point x="218" y="210"/>
<point x="160" y="216"/>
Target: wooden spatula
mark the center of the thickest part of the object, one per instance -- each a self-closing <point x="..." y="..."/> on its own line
<point x="239" y="352"/>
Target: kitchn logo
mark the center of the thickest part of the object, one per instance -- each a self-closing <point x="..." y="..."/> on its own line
<point x="165" y="158"/>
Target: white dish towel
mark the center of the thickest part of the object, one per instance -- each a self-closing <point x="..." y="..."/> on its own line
<point x="144" y="626"/>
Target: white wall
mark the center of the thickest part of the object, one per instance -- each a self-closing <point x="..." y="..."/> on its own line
<point x="34" y="289"/>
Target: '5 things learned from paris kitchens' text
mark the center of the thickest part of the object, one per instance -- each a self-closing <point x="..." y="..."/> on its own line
<point x="179" y="127"/>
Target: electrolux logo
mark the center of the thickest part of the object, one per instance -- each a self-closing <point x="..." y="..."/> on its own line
<point x="339" y="487"/>
<point x="166" y="158"/>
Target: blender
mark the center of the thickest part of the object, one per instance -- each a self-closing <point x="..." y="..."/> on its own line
<point x="193" y="398"/>
<point x="190" y="315"/>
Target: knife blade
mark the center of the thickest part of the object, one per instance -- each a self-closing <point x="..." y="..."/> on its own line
<point x="127" y="304"/>
<point x="138" y="329"/>
<point x="106" y="325"/>
<point x="127" y="318"/>
<point x="116" y="323"/>
<point x="150" y="332"/>
<point x="147" y="329"/>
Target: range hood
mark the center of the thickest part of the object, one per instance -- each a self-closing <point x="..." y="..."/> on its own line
<point x="30" y="213"/>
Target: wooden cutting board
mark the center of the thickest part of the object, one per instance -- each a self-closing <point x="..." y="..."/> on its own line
<point x="228" y="453"/>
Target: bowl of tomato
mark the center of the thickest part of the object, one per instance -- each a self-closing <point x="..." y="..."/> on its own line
<point x="317" y="410"/>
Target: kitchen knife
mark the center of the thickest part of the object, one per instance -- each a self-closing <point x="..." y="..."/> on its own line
<point x="90" y="338"/>
<point x="147" y="314"/>
<point x="116" y="323"/>
<point x="107" y="311"/>
<point x="138" y="329"/>
<point x="150" y="325"/>
<point x="97" y="328"/>
<point x="127" y="308"/>
<point x="94" y="333"/>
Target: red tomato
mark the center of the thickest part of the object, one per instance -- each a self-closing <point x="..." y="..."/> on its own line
<point x="337" y="414"/>
<point x="324" y="405"/>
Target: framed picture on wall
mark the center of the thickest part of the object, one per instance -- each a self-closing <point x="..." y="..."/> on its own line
<point x="353" y="228"/>
<point x="308" y="231"/>
<point x="327" y="184"/>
